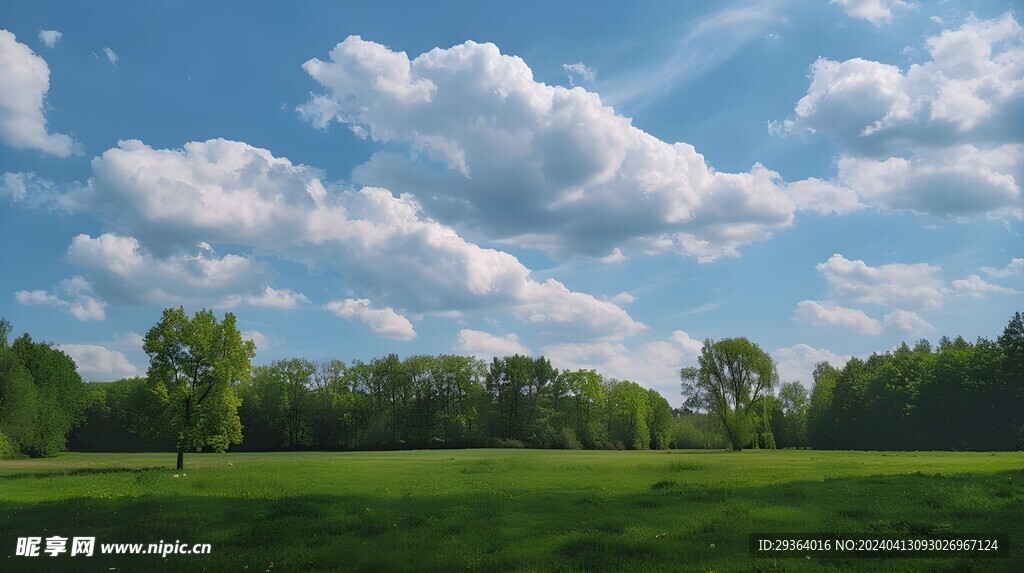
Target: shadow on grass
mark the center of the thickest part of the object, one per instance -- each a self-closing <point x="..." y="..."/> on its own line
<point x="80" y="472"/>
<point x="666" y="524"/>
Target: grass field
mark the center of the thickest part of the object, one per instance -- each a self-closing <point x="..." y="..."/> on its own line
<point x="506" y="510"/>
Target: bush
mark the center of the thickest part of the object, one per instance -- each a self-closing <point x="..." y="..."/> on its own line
<point x="567" y="440"/>
<point x="8" y="451"/>
<point x="503" y="443"/>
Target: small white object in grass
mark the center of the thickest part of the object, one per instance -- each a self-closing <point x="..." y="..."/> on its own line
<point x="175" y="475"/>
<point x="712" y="545"/>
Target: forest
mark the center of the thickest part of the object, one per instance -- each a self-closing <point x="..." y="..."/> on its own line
<point x="956" y="395"/>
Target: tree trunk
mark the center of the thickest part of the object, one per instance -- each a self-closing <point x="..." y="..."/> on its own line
<point x="181" y="458"/>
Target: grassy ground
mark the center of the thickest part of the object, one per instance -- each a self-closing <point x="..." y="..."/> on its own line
<point x="506" y="510"/>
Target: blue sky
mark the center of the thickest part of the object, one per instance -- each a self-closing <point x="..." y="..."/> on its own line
<point x="604" y="186"/>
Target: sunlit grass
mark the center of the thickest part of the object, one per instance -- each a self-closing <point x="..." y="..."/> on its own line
<point x="508" y="510"/>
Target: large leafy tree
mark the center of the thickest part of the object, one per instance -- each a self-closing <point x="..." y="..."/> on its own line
<point x="195" y="365"/>
<point x="734" y="375"/>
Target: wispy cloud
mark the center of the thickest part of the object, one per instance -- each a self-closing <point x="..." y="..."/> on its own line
<point x="708" y="43"/>
<point x="111" y="55"/>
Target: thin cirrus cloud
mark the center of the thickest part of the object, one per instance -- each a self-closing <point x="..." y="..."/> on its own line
<point x="169" y="201"/>
<point x="535" y="165"/>
<point x="941" y="138"/>
<point x="24" y="83"/>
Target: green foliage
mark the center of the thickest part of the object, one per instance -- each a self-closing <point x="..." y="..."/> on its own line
<point x="118" y="418"/>
<point x="41" y="419"/>
<point x="734" y="375"/>
<point x="8" y="449"/>
<point x="958" y="395"/>
<point x="195" y="365"/>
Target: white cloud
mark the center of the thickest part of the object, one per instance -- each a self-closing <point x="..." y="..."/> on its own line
<point x="575" y="177"/>
<point x="875" y="11"/>
<point x="798" y="362"/>
<point x="79" y="299"/>
<point x="623" y="298"/>
<point x="38" y="192"/>
<point x="817" y="314"/>
<point x="271" y="298"/>
<point x="940" y="138"/>
<point x="976" y="287"/>
<point x="580" y="74"/>
<point x="486" y="346"/>
<point x="894" y="284"/>
<point x="654" y="364"/>
<point x="262" y="341"/>
<point x="124" y="271"/>
<point x="228" y="192"/>
<point x="907" y="321"/>
<point x="49" y="37"/>
<point x="1015" y="267"/>
<point x="951" y="182"/>
<point x="24" y="82"/>
<point x="98" y="363"/>
<point x="382" y="321"/>
<point x="111" y="56"/>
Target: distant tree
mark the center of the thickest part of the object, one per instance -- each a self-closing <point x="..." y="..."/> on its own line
<point x="59" y="395"/>
<point x="659" y="420"/>
<point x="195" y="365"/>
<point x="628" y="414"/>
<point x="734" y="375"/>
<point x="791" y="420"/>
<point x="1012" y="344"/>
<point x="821" y="416"/>
<point x="18" y="395"/>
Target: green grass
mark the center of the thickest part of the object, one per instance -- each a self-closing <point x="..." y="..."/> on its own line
<point x="506" y="510"/>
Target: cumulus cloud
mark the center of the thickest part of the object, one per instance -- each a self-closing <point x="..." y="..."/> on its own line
<point x="98" y="363"/>
<point x="942" y="137"/>
<point x="817" y="314"/>
<point x="893" y="284"/>
<point x="262" y="341"/>
<point x="976" y="287"/>
<point x="907" y="321"/>
<point x="382" y="321"/>
<point x="125" y="272"/>
<point x="1015" y="267"/>
<point x="229" y="192"/>
<point x="485" y="345"/>
<point x="653" y="364"/>
<point x="74" y="296"/>
<point x="49" y="37"/>
<point x="24" y="82"/>
<point x="875" y="11"/>
<point x="536" y="165"/>
<point x="798" y="362"/>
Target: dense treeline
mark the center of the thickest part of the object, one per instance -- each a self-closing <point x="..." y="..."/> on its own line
<point x="420" y="402"/>
<point x="956" y="396"/>
<point x="41" y="397"/>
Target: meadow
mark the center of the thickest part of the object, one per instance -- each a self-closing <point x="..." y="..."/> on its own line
<point x="506" y="510"/>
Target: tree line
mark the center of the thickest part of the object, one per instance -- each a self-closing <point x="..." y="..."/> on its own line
<point x="202" y="394"/>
